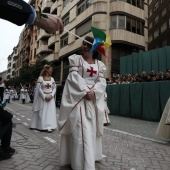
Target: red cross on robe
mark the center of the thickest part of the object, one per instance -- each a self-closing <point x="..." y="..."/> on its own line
<point x="91" y="71"/>
<point x="48" y="86"/>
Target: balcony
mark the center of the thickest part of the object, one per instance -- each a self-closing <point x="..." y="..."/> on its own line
<point x="54" y="8"/>
<point x="49" y="57"/>
<point x="127" y="8"/>
<point x="52" y="40"/>
<point x="46" y="6"/>
<point x="43" y="49"/>
<point x="15" y="56"/>
<point x="128" y="37"/>
<point x="43" y="35"/>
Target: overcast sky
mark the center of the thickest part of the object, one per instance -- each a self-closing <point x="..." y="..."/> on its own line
<point x="9" y="37"/>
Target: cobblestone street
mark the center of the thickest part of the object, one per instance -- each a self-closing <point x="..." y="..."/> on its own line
<point x="124" y="147"/>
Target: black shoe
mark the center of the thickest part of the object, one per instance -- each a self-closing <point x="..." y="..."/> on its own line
<point x="7" y="153"/>
<point x="106" y="124"/>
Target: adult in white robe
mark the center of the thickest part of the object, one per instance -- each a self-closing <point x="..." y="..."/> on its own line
<point x="7" y="95"/>
<point x="24" y="96"/>
<point x="106" y="111"/>
<point x="44" y="109"/>
<point x="14" y="95"/>
<point x="163" y="129"/>
<point x="81" y="120"/>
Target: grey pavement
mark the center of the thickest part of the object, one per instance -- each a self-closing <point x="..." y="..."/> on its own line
<point x="128" y="144"/>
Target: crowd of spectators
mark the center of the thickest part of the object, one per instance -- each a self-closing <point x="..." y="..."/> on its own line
<point x="143" y="77"/>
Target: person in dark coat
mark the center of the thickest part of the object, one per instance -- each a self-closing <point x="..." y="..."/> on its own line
<point x="5" y="134"/>
<point x="2" y="87"/>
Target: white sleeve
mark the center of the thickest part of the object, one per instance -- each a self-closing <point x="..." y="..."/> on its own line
<point x="53" y="87"/>
<point x="74" y="78"/>
<point x="38" y="87"/>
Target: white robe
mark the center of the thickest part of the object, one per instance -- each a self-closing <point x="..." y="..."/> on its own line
<point x="163" y="129"/>
<point x="24" y="95"/>
<point x="44" y="113"/>
<point x="81" y="121"/>
<point x="14" y="94"/>
<point x="106" y="110"/>
<point x="7" y="94"/>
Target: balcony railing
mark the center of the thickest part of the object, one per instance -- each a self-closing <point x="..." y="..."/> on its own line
<point x="43" y="35"/>
<point x="52" y="40"/>
<point x="49" y="57"/>
<point x="43" y="49"/>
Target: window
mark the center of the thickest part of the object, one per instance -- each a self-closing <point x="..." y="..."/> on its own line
<point x="156" y="19"/>
<point x="156" y="6"/>
<point x="65" y="2"/>
<point x="163" y="27"/>
<point x="150" y="38"/>
<point x="156" y="33"/>
<point x="164" y="11"/>
<point x="150" y="26"/>
<point x="114" y="22"/>
<point x="64" y="41"/>
<point x="138" y="27"/>
<point x="65" y="19"/>
<point x="89" y="3"/>
<point x="127" y="23"/>
<point x="137" y="3"/>
<point x="134" y="2"/>
<point x="121" y="22"/>
<point x="133" y="25"/>
<point x="150" y="1"/>
<point x="84" y="28"/>
<point x="140" y="4"/>
<point x="81" y="7"/>
<point x="150" y="12"/>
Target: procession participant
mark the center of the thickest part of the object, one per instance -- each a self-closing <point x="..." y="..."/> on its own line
<point x="24" y="96"/>
<point x="106" y="111"/>
<point x="7" y="95"/>
<point x="13" y="94"/>
<point x="82" y="110"/>
<point x="5" y="134"/>
<point x="44" y="109"/>
<point x="2" y="87"/>
<point x="163" y="129"/>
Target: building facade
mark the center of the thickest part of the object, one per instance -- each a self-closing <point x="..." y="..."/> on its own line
<point x="124" y="20"/>
<point x="158" y="23"/>
<point x="11" y="71"/>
